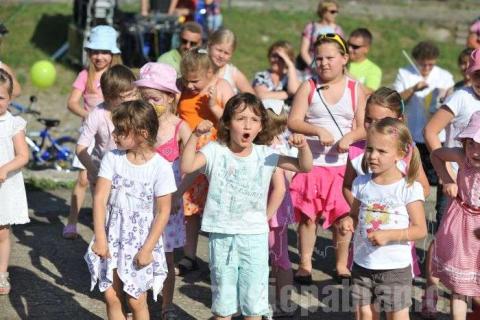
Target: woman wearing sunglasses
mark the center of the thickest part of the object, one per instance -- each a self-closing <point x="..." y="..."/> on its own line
<point x="327" y="12"/>
<point x="328" y="109"/>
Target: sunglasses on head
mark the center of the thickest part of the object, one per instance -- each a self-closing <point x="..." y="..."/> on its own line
<point x="335" y="37"/>
<point x="191" y="43"/>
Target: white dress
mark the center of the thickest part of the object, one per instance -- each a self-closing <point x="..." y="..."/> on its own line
<point x="13" y="199"/>
<point x="129" y="217"/>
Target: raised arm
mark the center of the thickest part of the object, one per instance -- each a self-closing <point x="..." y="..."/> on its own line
<point x="304" y="162"/>
<point x="191" y="160"/>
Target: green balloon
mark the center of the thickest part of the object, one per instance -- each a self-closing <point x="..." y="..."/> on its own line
<point x="43" y="74"/>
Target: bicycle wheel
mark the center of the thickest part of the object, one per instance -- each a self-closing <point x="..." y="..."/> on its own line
<point x="62" y="153"/>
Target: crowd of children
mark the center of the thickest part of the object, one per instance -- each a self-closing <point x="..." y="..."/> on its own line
<point x="167" y="155"/>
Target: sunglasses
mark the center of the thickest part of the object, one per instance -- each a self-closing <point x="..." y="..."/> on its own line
<point x="333" y="11"/>
<point x="354" y="46"/>
<point x="188" y="42"/>
<point x="335" y="37"/>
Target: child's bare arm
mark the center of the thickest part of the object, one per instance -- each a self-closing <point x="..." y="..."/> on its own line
<point x="163" y="206"/>
<point x="277" y="192"/>
<point x="191" y="160"/>
<point x="20" y="159"/>
<point x="242" y="83"/>
<point x="359" y="132"/>
<point x="349" y="176"/>
<point x="102" y="192"/>
<point x="74" y="105"/>
<point x="219" y="93"/>
<point x="304" y="162"/>
<point x="441" y="156"/>
<point x="423" y="180"/>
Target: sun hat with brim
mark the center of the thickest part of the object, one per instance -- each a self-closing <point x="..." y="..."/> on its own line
<point x="159" y="76"/>
<point x="472" y="130"/>
<point x="103" y="38"/>
<point x="473" y="62"/>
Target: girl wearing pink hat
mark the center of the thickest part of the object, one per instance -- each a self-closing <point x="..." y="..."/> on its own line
<point x="157" y="85"/>
<point x="458" y="266"/>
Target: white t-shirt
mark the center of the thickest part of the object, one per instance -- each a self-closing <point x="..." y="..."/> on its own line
<point x="423" y="103"/>
<point x="238" y="189"/>
<point x="156" y="171"/>
<point x="383" y="207"/>
<point x="463" y="103"/>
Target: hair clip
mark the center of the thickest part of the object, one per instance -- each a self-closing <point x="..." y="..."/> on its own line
<point x="202" y="51"/>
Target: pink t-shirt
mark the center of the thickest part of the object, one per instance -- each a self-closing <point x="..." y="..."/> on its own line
<point x="90" y="99"/>
<point x="98" y="128"/>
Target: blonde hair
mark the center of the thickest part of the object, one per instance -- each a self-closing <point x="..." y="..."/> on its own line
<point x="221" y="36"/>
<point x="397" y="129"/>
<point x="324" y="5"/>
<point x="388" y="98"/>
<point x="116" y="59"/>
<point x="194" y="60"/>
<point x="278" y="122"/>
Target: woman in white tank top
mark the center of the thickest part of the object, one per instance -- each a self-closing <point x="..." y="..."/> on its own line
<point x="329" y="110"/>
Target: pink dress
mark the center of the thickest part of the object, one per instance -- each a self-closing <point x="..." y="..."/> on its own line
<point x="174" y="233"/>
<point x="456" y="255"/>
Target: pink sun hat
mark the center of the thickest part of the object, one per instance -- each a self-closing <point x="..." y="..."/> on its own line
<point x="472" y="130"/>
<point x="159" y="76"/>
<point x="474" y="62"/>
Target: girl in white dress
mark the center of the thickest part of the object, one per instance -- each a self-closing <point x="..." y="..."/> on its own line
<point x="13" y="156"/>
<point x="131" y="208"/>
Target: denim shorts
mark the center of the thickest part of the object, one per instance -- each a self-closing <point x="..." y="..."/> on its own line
<point x="239" y="273"/>
<point x="387" y="290"/>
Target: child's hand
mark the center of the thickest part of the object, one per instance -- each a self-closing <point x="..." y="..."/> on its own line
<point x="343" y="145"/>
<point x="325" y="137"/>
<point x="100" y="248"/>
<point x="284" y="56"/>
<point x="143" y="258"/>
<point x="346" y="225"/>
<point x="450" y="189"/>
<point x="297" y="140"/>
<point x="212" y="95"/>
<point x="3" y="175"/>
<point x="378" y="237"/>
<point x="203" y="127"/>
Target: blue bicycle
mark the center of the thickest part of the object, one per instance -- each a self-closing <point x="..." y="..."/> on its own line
<point x="46" y="151"/>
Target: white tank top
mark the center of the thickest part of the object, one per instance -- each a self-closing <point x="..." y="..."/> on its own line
<point x="230" y="70"/>
<point x="343" y="112"/>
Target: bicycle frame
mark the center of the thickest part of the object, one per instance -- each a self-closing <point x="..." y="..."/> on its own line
<point x="40" y="155"/>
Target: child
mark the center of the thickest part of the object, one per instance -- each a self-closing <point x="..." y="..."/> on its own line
<point x="280" y="214"/>
<point x="383" y="103"/>
<point x="102" y="53"/>
<point x="157" y="87"/>
<point x="221" y="46"/>
<point x="203" y="98"/>
<point x="453" y="116"/>
<point x="458" y="267"/>
<point x="13" y="156"/>
<point x="117" y="86"/>
<point x="239" y="170"/>
<point x="131" y="208"/>
<point x="329" y="109"/>
<point x="387" y="213"/>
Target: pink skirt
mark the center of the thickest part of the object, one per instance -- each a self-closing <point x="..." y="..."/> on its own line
<point x="319" y="193"/>
<point x="456" y="252"/>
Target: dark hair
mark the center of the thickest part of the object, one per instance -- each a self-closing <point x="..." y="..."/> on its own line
<point x="115" y="81"/>
<point x="321" y="39"/>
<point x="285" y="45"/>
<point x="192" y="27"/>
<point x="425" y="50"/>
<point x="362" y="33"/>
<point x="388" y="98"/>
<point x="238" y="103"/>
<point x="465" y="54"/>
<point x="134" y="117"/>
<point x="6" y="78"/>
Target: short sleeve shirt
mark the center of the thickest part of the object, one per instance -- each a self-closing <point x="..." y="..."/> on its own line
<point x="90" y="99"/>
<point x="367" y="73"/>
<point x="383" y="207"/>
<point x="238" y="189"/>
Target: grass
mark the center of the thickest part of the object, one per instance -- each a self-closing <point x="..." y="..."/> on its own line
<point x="37" y="30"/>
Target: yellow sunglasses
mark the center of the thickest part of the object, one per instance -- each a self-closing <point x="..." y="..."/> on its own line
<point x="335" y="37"/>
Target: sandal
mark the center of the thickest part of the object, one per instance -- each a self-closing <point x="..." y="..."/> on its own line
<point x="429" y="307"/>
<point x="4" y="283"/>
<point x="70" y="232"/>
<point x="169" y="314"/>
<point x="186" y="265"/>
<point x="342" y="278"/>
<point x="304" y="280"/>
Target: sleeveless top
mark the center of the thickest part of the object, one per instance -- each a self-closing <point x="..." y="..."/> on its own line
<point x="343" y="111"/>
<point x="230" y="70"/>
<point x="170" y="149"/>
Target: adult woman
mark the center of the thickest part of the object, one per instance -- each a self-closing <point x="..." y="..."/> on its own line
<point x="327" y="12"/>
<point x="329" y="109"/>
